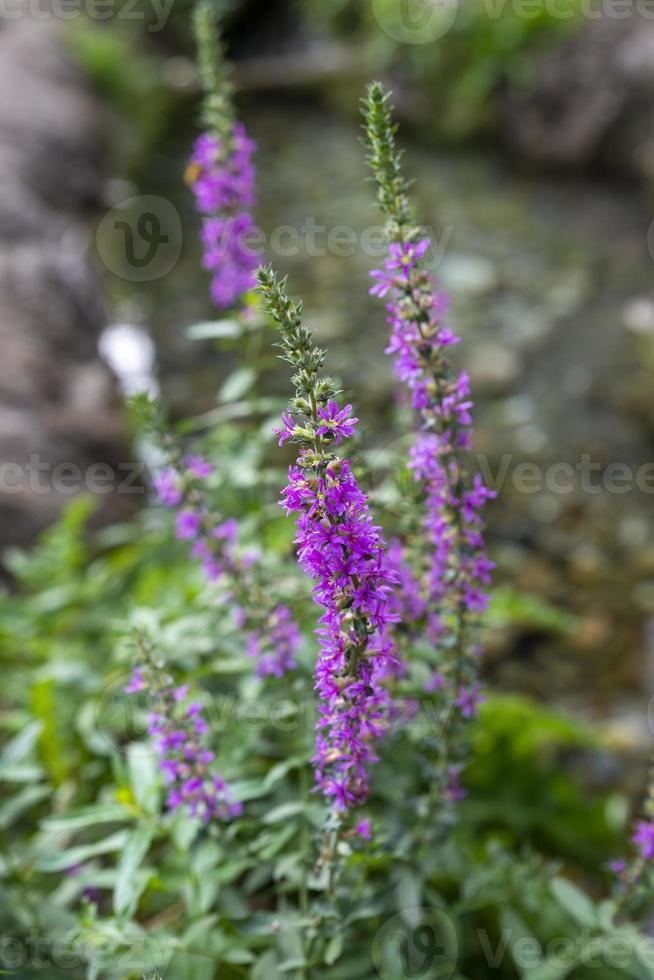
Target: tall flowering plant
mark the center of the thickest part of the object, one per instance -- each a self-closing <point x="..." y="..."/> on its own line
<point x="341" y="549"/>
<point x="221" y="174"/>
<point x="270" y="635"/>
<point x="448" y="570"/>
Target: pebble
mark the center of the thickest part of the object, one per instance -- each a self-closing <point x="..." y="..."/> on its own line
<point x="638" y="316"/>
<point x="468" y="274"/>
<point x="494" y="369"/>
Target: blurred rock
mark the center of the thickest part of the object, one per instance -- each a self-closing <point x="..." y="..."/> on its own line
<point x="494" y="369"/>
<point x="591" y="99"/>
<point x="475" y="275"/>
<point x="58" y="403"/>
<point x="638" y="316"/>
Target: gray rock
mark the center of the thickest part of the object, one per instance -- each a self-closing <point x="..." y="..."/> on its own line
<point x="591" y="99"/>
<point x="58" y="402"/>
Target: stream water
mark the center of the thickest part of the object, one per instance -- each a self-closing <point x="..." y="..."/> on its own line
<point x="552" y="291"/>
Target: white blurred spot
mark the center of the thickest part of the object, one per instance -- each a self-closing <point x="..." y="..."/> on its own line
<point x="130" y="353"/>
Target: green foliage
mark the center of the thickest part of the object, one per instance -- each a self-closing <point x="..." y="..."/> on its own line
<point x="94" y="866"/>
<point x="111" y="886"/>
<point x="129" y="76"/>
<point x="226" y="903"/>
<point x="461" y="64"/>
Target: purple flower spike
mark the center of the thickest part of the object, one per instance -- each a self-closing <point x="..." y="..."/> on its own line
<point x="176" y="727"/>
<point x="344" y="554"/>
<point x="222" y="178"/>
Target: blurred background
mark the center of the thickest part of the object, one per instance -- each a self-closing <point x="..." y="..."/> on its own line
<point x="529" y="129"/>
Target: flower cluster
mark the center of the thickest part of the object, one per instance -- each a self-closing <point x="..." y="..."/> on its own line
<point x="644" y="838"/>
<point x="343" y="552"/>
<point x="630" y="874"/>
<point x="448" y="593"/>
<point x="178" y="730"/>
<point x="272" y="637"/>
<point x="222" y="176"/>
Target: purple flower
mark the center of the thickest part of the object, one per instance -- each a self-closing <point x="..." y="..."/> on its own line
<point x="176" y="727"/>
<point x="644" y="838"/>
<point x="188" y="524"/>
<point x="363" y="829"/>
<point x="198" y="466"/>
<point x="269" y="633"/>
<point x="222" y="178"/>
<point x="444" y="581"/>
<point x="467" y="701"/>
<point x="137" y="682"/>
<point x="453" y="790"/>
<point x="287" y="428"/>
<point x="435" y="682"/>
<point x="336" y="423"/>
<point x="228" y="257"/>
<point x="344" y="554"/>
<point x="276" y="644"/>
<point x="618" y="867"/>
<point x="165" y="483"/>
<point x="341" y="549"/>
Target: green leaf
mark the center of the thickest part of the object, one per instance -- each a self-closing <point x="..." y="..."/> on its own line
<point x="77" y="855"/>
<point x="334" y="949"/>
<point x="548" y="971"/>
<point x="409" y="896"/>
<point x="144" y="777"/>
<point x="129" y="884"/>
<point x="21" y="745"/>
<point x="214" y="330"/>
<point x="16" y="805"/>
<point x="575" y="902"/>
<point x="284" y="811"/>
<point x="266" y="967"/>
<point x="236" y="385"/>
<point x="88" y="817"/>
<point x="21" y="774"/>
